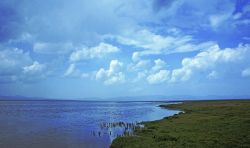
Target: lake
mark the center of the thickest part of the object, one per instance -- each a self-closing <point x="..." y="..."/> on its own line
<point x="40" y="124"/>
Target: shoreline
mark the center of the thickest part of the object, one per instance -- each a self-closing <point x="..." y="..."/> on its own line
<point x="140" y="125"/>
<point x="204" y="124"/>
<point x="163" y="106"/>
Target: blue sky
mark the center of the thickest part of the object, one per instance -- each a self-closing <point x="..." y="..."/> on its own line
<point x="111" y="48"/>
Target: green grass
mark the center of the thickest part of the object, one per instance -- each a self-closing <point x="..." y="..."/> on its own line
<point x="208" y="124"/>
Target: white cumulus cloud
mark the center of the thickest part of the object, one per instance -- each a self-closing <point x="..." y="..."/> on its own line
<point x="208" y="60"/>
<point x="158" y="77"/>
<point x="17" y="65"/>
<point x="140" y="65"/>
<point x="154" y="75"/>
<point x="35" y="68"/>
<point x="113" y="74"/>
<point x="13" y="60"/>
<point x="94" y="52"/>
<point x="159" y="64"/>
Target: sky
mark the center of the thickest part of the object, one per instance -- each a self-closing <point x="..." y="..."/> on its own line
<point x="112" y="48"/>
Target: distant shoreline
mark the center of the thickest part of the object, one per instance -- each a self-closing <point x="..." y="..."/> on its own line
<point x="163" y="101"/>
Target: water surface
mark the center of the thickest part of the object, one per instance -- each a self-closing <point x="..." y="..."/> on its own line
<point x="74" y="124"/>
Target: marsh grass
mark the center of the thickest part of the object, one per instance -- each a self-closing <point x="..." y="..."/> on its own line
<point x="204" y="124"/>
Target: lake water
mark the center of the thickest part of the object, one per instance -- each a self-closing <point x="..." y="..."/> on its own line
<point x="50" y="124"/>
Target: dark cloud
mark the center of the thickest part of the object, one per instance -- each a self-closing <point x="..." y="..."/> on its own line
<point x="158" y="4"/>
<point x="62" y="20"/>
<point x="10" y="21"/>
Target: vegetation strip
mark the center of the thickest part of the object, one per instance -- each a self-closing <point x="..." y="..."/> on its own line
<point x="204" y="124"/>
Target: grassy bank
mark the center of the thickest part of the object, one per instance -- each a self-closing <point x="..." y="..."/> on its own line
<point x="204" y="124"/>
